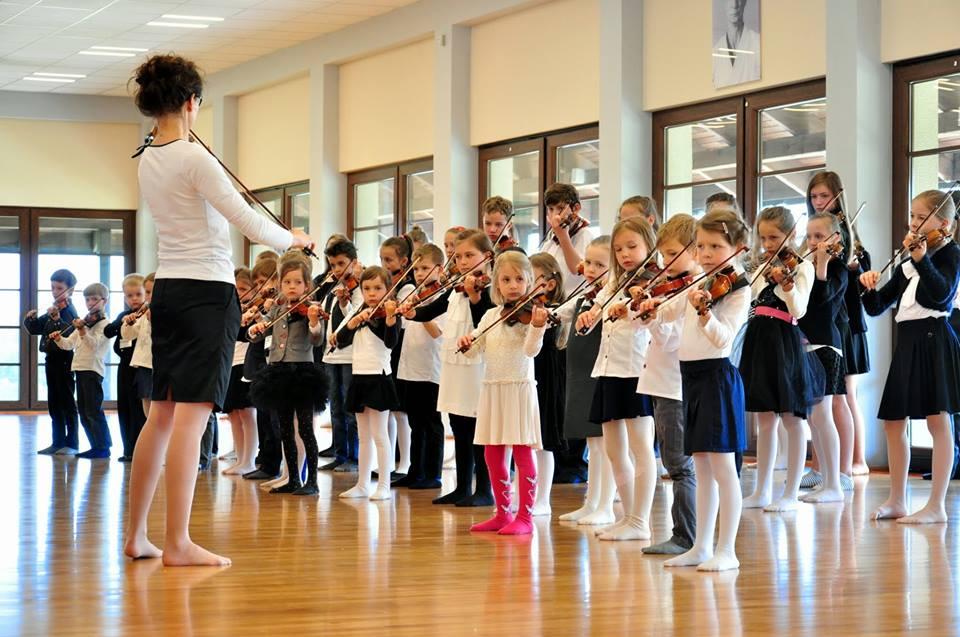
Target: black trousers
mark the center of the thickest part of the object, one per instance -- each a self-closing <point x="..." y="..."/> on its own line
<point x="129" y="406"/>
<point x="90" y="405"/>
<point x="207" y="450"/>
<point x="469" y="457"/>
<point x="60" y="402"/>
<point x="426" y="431"/>
<point x="268" y="430"/>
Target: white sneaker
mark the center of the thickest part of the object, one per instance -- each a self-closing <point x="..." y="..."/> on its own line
<point x="66" y="451"/>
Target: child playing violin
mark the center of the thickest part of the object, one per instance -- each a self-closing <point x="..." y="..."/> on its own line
<point x="508" y="415"/>
<point x="291" y="385"/>
<point x="497" y="213"/>
<point x="90" y="347"/>
<point x="713" y="400"/>
<point x="569" y="233"/>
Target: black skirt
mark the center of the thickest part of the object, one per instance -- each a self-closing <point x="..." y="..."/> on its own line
<point x="617" y="399"/>
<point x="550" y="370"/>
<point x="856" y="356"/>
<point x="143" y="381"/>
<point x="834" y="371"/>
<point x="374" y="391"/>
<point x="238" y="391"/>
<point x="194" y="325"/>
<point x="284" y="385"/>
<point x="713" y="405"/>
<point x="924" y="377"/>
<point x="776" y="371"/>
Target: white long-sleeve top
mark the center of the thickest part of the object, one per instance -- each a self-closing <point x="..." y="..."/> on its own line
<point x="715" y="339"/>
<point x="797" y="298"/>
<point x="660" y="376"/>
<point x="90" y="350"/>
<point x="142" y="332"/>
<point x="420" y="357"/>
<point x="580" y="242"/>
<point x="193" y="204"/>
<point x="508" y="351"/>
<point x="340" y="356"/>
<point x="623" y="344"/>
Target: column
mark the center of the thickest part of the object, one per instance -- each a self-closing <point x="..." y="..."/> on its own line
<point x="328" y="187"/>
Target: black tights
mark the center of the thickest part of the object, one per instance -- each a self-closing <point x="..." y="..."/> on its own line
<point x="304" y="414"/>
<point x="469" y="457"/>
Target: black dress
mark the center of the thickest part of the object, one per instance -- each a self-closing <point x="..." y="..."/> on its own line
<point x="549" y="369"/>
<point x="581" y="356"/>
<point x="820" y="327"/>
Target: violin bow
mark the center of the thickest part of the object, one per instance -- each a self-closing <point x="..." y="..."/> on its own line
<point x="420" y="286"/>
<point x="703" y="276"/>
<point x="249" y="193"/>
<point x="630" y="276"/>
<point x="393" y="289"/>
<point x="248" y="300"/>
<point x="504" y="229"/>
<point x="611" y="319"/>
<point x="453" y="282"/>
<point x="347" y="271"/>
<point x="516" y="308"/>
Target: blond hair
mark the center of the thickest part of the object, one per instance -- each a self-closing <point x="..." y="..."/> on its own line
<point x="510" y="259"/>
<point x="640" y="226"/>
<point x="132" y="279"/>
<point x="946" y="209"/>
<point x="551" y="271"/>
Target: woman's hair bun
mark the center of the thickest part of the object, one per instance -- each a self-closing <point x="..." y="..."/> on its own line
<point x="165" y="83"/>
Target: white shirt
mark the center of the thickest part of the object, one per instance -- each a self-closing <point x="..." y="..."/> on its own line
<point x="715" y="339"/>
<point x="193" y="204"/>
<point x="508" y="350"/>
<point x="458" y="321"/>
<point x="798" y="297"/>
<point x="623" y="347"/>
<point x="240" y="352"/>
<point x="142" y="332"/>
<point x="580" y="242"/>
<point x="341" y="356"/>
<point x="660" y="376"/>
<point x="90" y="350"/>
<point x="370" y="355"/>
<point x="420" y="358"/>
<point x="910" y="309"/>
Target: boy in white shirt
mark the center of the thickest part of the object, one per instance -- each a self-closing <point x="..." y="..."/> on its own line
<point x="90" y="347"/>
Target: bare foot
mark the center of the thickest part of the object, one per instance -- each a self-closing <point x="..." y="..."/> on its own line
<point x="694" y="557"/>
<point x="193" y="555"/>
<point x="722" y="561"/>
<point x="930" y="514"/>
<point x="861" y="470"/>
<point x="141" y="549"/>
<point x="889" y="510"/>
<point x="757" y="500"/>
<point x="783" y="504"/>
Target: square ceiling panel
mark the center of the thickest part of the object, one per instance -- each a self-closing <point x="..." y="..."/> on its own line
<point x="58" y="36"/>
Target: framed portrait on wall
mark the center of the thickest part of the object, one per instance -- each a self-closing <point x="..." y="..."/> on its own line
<point x="736" y="42"/>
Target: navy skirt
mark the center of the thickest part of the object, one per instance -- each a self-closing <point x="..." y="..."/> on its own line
<point x="143" y="381"/>
<point x="714" y="407"/>
<point x="856" y="356"/>
<point x="617" y="399"/>
<point x="777" y="374"/>
<point x="924" y="377"/>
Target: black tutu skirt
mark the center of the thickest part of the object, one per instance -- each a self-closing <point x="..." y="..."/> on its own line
<point x="776" y="371"/>
<point x="834" y="372"/>
<point x="550" y="371"/>
<point x="238" y="392"/>
<point x="617" y="399"/>
<point x="856" y="356"/>
<point x="374" y="391"/>
<point x="143" y="382"/>
<point x="924" y="374"/>
<point x="713" y="405"/>
<point x="285" y="385"/>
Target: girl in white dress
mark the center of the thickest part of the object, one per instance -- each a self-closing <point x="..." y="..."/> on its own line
<point x="508" y="415"/>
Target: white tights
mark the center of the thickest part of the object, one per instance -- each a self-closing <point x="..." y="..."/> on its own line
<point x="601" y="489"/>
<point x="374" y="439"/>
<point x="636" y="483"/>
<point x="826" y="442"/>
<point x="767" y="439"/>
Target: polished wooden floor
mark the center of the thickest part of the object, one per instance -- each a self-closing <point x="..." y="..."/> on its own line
<point x="405" y="567"/>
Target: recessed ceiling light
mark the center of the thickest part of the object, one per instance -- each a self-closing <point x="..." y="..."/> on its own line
<point x="74" y="75"/>
<point x="115" y="54"/>
<point x="119" y="48"/>
<point x="183" y="25"/>
<point x="172" y="16"/>
<point x="48" y="79"/>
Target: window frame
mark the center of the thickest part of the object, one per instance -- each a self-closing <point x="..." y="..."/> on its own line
<point x="399" y="173"/>
<point x="283" y="192"/>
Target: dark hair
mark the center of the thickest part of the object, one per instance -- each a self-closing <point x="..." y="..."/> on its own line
<point x="376" y="272"/>
<point x="341" y="247"/>
<point x="558" y="194"/>
<point x="402" y="245"/>
<point x="296" y="261"/>
<point x="165" y="83"/>
<point x="64" y="276"/>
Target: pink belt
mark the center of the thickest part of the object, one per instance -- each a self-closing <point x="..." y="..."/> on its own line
<point x="772" y="312"/>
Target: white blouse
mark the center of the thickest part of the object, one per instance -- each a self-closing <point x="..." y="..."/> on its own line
<point x="507" y="350"/>
<point x="340" y="356"/>
<point x="370" y="354"/>
<point x="910" y="309"/>
<point x="580" y="242"/>
<point x="90" y="350"/>
<point x="193" y="203"/>
<point x="420" y="358"/>
<point x="797" y="298"/>
<point x="660" y="376"/>
<point x="715" y="339"/>
<point x="142" y="332"/>
<point x="623" y="345"/>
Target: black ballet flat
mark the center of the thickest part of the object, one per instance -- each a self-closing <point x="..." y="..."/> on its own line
<point x="451" y="498"/>
<point x="307" y="489"/>
<point x="476" y="500"/>
<point x="287" y="488"/>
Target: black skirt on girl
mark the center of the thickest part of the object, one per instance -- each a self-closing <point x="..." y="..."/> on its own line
<point x="777" y="373"/>
<point x="374" y="391"/>
<point x="238" y="392"/>
<point x="143" y="381"/>
<point x="581" y="356"/>
<point x="853" y="332"/>
<point x="925" y="371"/>
<point x="834" y="371"/>
<point x="713" y="405"/>
<point x="617" y="399"/>
<point x="289" y="385"/>
<point x="550" y="368"/>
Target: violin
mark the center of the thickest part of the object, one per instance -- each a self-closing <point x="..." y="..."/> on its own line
<point x="424" y="293"/>
<point x="669" y="286"/>
<point x="524" y="315"/>
<point x="302" y="310"/>
<point x="345" y="287"/>
<point x="718" y="286"/>
<point x="932" y="238"/>
<point x="482" y="281"/>
<point x="574" y="223"/>
<point x="505" y="242"/>
<point x="91" y="319"/>
<point x="258" y="301"/>
<point x="789" y="261"/>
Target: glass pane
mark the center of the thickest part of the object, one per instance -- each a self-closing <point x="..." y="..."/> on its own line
<point x="117" y="272"/>
<point x="579" y="165"/>
<point x="518" y="179"/>
<point x="300" y="213"/>
<point x="692" y="199"/>
<point x="368" y="243"/>
<point x="373" y="203"/>
<point x="117" y="303"/>
<point x="10" y="308"/>
<point x="934" y="171"/>
<point x="41" y="382"/>
<point x="9" y="382"/>
<point x="10" y="237"/>
<point x="793" y="136"/>
<point x="10" y="345"/>
<point x="274" y="203"/>
<point x="702" y="151"/>
<point x="420" y="201"/>
<point x="110" y="383"/>
<point x="790" y="191"/>
<point x="935" y="113"/>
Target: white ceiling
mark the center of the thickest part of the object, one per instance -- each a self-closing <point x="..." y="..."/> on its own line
<point x="46" y="36"/>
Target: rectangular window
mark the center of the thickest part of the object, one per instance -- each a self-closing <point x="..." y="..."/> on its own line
<point x="290" y="203"/>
